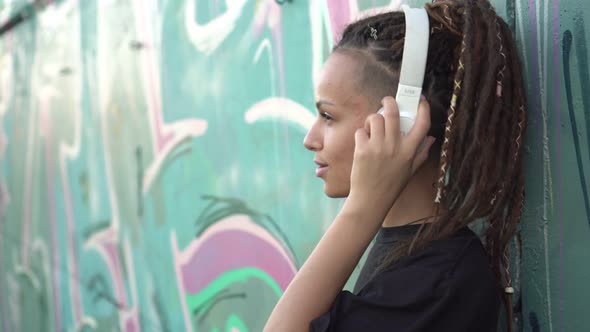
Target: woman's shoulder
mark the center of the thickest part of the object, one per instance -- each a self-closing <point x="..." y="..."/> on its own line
<point x="454" y="262"/>
<point x="463" y="250"/>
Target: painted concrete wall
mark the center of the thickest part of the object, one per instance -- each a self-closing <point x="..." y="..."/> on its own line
<point x="152" y="174"/>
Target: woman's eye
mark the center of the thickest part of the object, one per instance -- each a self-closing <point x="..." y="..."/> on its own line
<point x="326" y="116"/>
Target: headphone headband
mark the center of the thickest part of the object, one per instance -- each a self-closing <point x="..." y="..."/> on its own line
<point x="413" y="61"/>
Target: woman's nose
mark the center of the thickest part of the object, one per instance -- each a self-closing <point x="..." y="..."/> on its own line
<point x="312" y="140"/>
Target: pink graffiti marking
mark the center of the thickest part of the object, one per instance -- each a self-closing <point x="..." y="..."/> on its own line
<point x="340" y="15"/>
<point x="165" y="136"/>
<point x="343" y="12"/>
<point x="231" y="243"/>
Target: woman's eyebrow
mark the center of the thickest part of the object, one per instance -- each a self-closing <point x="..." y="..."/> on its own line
<point x="321" y="102"/>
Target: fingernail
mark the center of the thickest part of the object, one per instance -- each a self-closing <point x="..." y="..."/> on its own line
<point x="422" y="97"/>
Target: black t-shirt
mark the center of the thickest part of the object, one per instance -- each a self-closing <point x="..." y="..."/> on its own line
<point x="448" y="286"/>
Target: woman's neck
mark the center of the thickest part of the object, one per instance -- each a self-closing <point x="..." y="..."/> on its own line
<point x="416" y="203"/>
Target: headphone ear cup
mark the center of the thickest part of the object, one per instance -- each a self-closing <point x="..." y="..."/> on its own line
<point x="405" y="124"/>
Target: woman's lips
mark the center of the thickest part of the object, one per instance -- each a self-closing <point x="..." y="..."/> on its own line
<point x="321" y="170"/>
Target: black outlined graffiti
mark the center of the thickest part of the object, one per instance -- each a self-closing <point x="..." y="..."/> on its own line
<point x="534" y="322"/>
<point x="200" y="313"/>
<point x="221" y="207"/>
<point x="566" y="48"/>
<point x="98" y="286"/>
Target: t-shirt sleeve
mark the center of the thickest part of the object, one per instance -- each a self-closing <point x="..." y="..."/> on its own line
<point x="382" y="306"/>
<point x="411" y="299"/>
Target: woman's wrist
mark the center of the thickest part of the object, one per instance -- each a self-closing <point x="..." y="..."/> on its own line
<point x="376" y="200"/>
<point x="366" y="210"/>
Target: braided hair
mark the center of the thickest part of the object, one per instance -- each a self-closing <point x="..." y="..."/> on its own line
<point x="474" y="85"/>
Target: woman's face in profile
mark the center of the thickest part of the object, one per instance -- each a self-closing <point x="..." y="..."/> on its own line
<point x="341" y="110"/>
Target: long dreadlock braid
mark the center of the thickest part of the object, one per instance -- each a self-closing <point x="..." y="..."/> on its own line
<point x="473" y="82"/>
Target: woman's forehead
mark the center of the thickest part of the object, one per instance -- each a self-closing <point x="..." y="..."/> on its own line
<point x="338" y="79"/>
<point x="339" y="70"/>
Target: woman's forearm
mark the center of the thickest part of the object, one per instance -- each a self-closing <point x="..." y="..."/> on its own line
<point x="327" y="269"/>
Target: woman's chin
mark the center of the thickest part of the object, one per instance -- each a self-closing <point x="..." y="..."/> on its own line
<point x="334" y="193"/>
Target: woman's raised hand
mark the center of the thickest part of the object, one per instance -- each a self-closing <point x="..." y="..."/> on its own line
<point x="384" y="159"/>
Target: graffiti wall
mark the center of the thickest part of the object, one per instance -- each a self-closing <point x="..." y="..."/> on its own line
<point x="556" y="227"/>
<point x="153" y="177"/>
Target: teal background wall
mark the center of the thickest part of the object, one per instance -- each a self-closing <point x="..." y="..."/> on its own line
<point x="153" y="178"/>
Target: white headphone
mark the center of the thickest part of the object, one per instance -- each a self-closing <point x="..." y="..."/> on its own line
<point x="413" y="66"/>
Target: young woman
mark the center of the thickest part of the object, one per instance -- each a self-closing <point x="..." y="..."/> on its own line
<point x="460" y="163"/>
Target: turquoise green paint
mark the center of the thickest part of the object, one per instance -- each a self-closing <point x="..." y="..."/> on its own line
<point x="226" y="279"/>
<point x="235" y="324"/>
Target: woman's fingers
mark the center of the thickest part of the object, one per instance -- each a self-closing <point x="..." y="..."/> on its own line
<point x="375" y="127"/>
<point x="392" y="123"/>
<point x="385" y="129"/>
